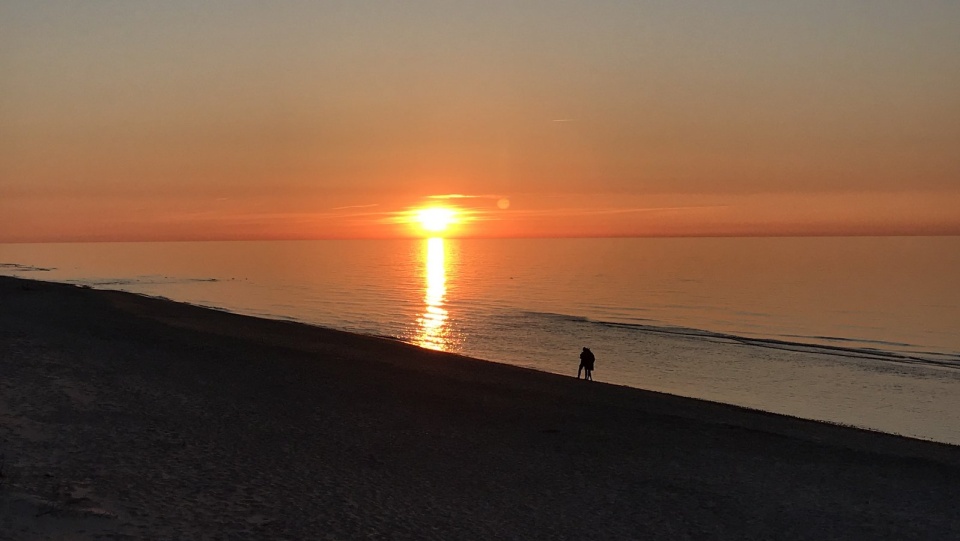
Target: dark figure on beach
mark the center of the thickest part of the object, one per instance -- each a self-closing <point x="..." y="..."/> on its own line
<point x="586" y="364"/>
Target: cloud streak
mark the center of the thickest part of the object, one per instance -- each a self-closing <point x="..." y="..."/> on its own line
<point x="356" y="206"/>
<point x="465" y="196"/>
<point x="533" y="213"/>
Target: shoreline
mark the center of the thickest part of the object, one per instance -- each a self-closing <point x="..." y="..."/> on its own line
<point x="128" y="414"/>
<point x="890" y="356"/>
<point x="916" y="354"/>
<point x="827" y="383"/>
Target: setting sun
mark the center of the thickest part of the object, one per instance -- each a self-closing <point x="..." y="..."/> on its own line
<point x="436" y="219"/>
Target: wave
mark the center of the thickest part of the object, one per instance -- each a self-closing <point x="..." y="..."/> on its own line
<point x="139" y="281"/>
<point x="17" y="267"/>
<point x="553" y="315"/>
<point x="842" y="339"/>
<point x="913" y="354"/>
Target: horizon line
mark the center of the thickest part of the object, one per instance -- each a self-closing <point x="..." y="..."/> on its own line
<point x="481" y="237"/>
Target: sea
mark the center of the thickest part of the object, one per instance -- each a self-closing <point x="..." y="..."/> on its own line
<point x="861" y="331"/>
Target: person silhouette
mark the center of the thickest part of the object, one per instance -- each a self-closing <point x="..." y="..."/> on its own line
<point x="586" y="364"/>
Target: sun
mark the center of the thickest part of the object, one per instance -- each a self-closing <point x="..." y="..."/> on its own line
<point x="436" y="219"/>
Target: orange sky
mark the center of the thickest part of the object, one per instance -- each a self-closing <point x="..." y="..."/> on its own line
<point x="178" y="120"/>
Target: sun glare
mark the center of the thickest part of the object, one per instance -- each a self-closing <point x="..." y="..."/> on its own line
<point x="436" y="219"/>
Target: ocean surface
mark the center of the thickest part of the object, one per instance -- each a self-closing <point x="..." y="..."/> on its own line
<point x="859" y="331"/>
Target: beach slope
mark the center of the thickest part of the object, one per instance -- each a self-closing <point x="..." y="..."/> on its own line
<point x="123" y="416"/>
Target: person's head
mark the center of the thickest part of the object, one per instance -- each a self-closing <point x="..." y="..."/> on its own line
<point x="586" y="348"/>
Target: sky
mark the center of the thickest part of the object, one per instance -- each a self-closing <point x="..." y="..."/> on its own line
<point x="239" y="119"/>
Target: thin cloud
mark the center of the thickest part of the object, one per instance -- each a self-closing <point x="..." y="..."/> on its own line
<point x="464" y="196"/>
<point x="245" y="216"/>
<point x="651" y="209"/>
<point x="356" y="206"/>
<point x="495" y="215"/>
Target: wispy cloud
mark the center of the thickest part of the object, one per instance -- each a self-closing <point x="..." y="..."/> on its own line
<point x="464" y="196"/>
<point x="495" y="215"/>
<point x="356" y="206"/>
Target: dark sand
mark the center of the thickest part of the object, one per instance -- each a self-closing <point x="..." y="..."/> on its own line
<point x="143" y="418"/>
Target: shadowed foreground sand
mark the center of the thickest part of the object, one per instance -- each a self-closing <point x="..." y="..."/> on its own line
<point x="143" y="418"/>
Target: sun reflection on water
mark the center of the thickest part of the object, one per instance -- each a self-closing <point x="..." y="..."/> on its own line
<point x="432" y="331"/>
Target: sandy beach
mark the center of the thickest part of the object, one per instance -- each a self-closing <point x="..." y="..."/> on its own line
<point x="126" y="417"/>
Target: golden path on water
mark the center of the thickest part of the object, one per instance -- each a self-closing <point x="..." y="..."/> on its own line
<point x="431" y="325"/>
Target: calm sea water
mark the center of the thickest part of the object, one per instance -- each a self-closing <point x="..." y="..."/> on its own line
<point x="860" y="331"/>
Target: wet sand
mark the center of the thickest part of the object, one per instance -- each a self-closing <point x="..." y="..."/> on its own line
<point x="127" y="417"/>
